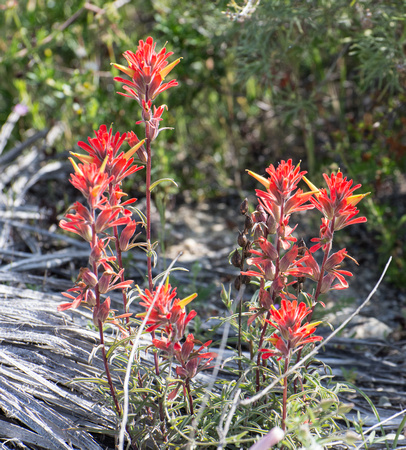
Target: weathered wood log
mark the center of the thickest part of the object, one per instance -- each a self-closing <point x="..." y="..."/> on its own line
<point x="41" y="352"/>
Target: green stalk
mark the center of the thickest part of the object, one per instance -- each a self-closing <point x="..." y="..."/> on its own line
<point x="285" y="394"/>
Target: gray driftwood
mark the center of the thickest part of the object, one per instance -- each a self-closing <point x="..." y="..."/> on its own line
<point x="41" y="351"/>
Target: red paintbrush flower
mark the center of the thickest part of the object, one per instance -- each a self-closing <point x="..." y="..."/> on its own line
<point x="338" y="202"/>
<point x="103" y="145"/>
<point x="191" y="360"/>
<point x="79" y="223"/>
<point x="147" y="69"/>
<point x="92" y="182"/>
<point x="103" y="150"/>
<point x="292" y="334"/>
<point x="281" y="183"/>
<point x="167" y="312"/>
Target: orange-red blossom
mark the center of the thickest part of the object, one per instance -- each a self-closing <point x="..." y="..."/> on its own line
<point x="292" y="334"/>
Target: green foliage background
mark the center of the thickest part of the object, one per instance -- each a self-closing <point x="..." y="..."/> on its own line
<point x="320" y="81"/>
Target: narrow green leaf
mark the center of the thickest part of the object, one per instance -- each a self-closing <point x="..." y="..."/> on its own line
<point x="160" y="181"/>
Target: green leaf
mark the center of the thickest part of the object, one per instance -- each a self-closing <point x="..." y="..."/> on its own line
<point x="160" y="181"/>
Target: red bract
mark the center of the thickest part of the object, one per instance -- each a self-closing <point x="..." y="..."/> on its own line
<point x="91" y="181"/>
<point x="84" y="286"/>
<point x="167" y="311"/>
<point x="338" y="203"/>
<point x="103" y="145"/>
<point x="84" y="294"/>
<point x="133" y="141"/>
<point x="79" y="223"/>
<point x="126" y="235"/>
<point x="147" y="69"/>
<point x="332" y="267"/>
<point x="292" y="334"/>
<point x="109" y="281"/>
<point x="280" y="185"/>
<point x="191" y="360"/>
<point x="103" y="150"/>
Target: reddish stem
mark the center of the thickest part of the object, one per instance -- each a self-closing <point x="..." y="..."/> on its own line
<point x="285" y="394"/>
<point x="187" y="384"/>
<point x="107" y="369"/>
<point x="122" y="278"/>
<point x="100" y="325"/>
<point x="261" y="340"/>
<point x="148" y="233"/>
<point x="148" y="200"/>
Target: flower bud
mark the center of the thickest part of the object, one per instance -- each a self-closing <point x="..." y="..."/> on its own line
<point x="248" y="224"/>
<point x="244" y="207"/>
<point x="247" y="249"/>
<point x="91" y="298"/>
<point x="265" y="299"/>
<point x="126" y="235"/>
<point x="271" y="224"/>
<point x="237" y="283"/>
<point x="104" y="281"/>
<point x="242" y="240"/>
<point x="236" y="259"/>
<point x="260" y="214"/>
<point x="101" y="313"/>
<point x="88" y="277"/>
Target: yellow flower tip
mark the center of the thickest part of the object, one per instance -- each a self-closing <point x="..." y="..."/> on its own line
<point x="312" y="187"/>
<point x="131" y="152"/>
<point x="143" y="314"/>
<point x="75" y="167"/>
<point x="103" y="166"/>
<point x="187" y="300"/>
<point x="308" y="193"/>
<point x="354" y="199"/>
<point x="85" y="159"/>
<point x="315" y="324"/>
<point x="127" y="70"/>
<point x="260" y="178"/>
<point x="164" y="72"/>
<point x="95" y="191"/>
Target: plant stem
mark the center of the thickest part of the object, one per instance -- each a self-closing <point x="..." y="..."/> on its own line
<point x="148" y="201"/>
<point x="278" y="248"/>
<point x="107" y="369"/>
<point x="149" y="256"/>
<point x="100" y="325"/>
<point x="261" y="340"/>
<point x="285" y="394"/>
<point x="240" y="371"/>
<point x="187" y="384"/>
<point x="122" y="278"/>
